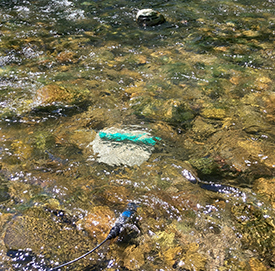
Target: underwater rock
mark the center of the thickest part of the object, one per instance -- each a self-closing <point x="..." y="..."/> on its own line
<point x="217" y="237"/>
<point x="66" y="57"/>
<point x="52" y="204"/>
<point x="21" y="150"/>
<point x="127" y="146"/>
<point x="165" y="239"/>
<point x="116" y="194"/>
<point x="99" y="221"/>
<point x="205" y="165"/>
<point x="213" y="113"/>
<point x="170" y="110"/>
<point x="134" y="257"/>
<point x="165" y="247"/>
<point x="149" y="17"/>
<point x="27" y="232"/>
<point x="235" y="154"/>
<point x="269" y="100"/>
<point x="171" y="255"/>
<point x="262" y="83"/>
<point x="98" y="118"/>
<point x="51" y="96"/>
<point x="82" y="137"/>
<point x="251" y="33"/>
<point x="266" y="188"/>
<point x="193" y="260"/>
<point x="20" y="191"/>
<point x="4" y="219"/>
<point x="202" y="129"/>
<point x="252" y="121"/>
<point x="256" y="265"/>
<point x="4" y="190"/>
<point x="52" y="93"/>
<point x="256" y="230"/>
<point x="35" y="230"/>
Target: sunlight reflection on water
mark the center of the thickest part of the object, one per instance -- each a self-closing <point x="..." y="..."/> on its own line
<point x="202" y="82"/>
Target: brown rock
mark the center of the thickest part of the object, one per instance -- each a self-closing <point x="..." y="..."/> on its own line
<point x="262" y="83"/>
<point x="134" y="257"/>
<point x="115" y="194"/>
<point x="266" y="187"/>
<point x="99" y="221"/>
<point x="66" y="57"/>
<point x="213" y="113"/>
<point x="52" y="93"/>
<point x="256" y="265"/>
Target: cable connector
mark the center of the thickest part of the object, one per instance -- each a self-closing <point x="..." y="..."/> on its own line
<point x="121" y="223"/>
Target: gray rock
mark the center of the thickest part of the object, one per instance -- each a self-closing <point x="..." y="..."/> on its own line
<point x="149" y="17"/>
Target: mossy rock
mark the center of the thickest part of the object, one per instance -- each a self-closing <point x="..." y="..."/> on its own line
<point x="205" y="165"/>
<point x="257" y="229"/>
<point x="202" y="129"/>
<point x="173" y="111"/>
<point x="53" y="93"/>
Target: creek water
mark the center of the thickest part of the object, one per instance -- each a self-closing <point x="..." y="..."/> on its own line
<point x="97" y="111"/>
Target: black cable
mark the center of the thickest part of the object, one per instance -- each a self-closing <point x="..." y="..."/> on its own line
<point x="82" y="256"/>
<point x="124" y="218"/>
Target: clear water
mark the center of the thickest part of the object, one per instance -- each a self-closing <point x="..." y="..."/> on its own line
<point x="203" y="82"/>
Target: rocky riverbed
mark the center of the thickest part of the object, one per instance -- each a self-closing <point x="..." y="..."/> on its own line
<point x="84" y="88"/>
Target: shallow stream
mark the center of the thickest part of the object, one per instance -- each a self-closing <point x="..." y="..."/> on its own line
<point x="97" y="111"/>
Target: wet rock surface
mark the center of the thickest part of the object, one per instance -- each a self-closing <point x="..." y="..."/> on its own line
<point x="149" y="17"/>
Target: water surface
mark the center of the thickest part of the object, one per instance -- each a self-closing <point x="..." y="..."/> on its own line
<point x="202" y="82"/>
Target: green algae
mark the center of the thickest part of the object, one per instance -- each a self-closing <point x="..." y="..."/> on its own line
<point x="206" y="165"/>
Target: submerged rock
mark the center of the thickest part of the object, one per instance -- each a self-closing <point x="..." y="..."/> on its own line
<point x="67" y="57"/>
<point x="213" y="113"/>
<point x="59" y="95"/>
<point x="127" y="146"/>
<point x="99" y="221"/>
<point x="36" y="231"/>
<point x="256" y="228"/>
<point x="51" y="94"/>
<point x="149" y="17"/>
<point x="266" y="188"/>
<point x="134" y="257"/>
<point x="31" y="231"/>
